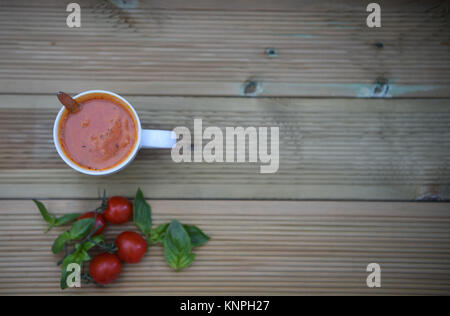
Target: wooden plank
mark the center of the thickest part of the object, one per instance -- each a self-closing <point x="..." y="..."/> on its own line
<point x="263" y="248"/>
<point x="323" y="48"/>
<point x="329" y="149"/>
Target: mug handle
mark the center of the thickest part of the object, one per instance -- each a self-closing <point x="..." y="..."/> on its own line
<point x="155" y="138"/>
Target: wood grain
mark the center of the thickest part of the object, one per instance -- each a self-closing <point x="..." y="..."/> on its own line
<point x="323" y="48"/>
<point x="259" y="248"/>
<point x="329" y="149"/>
<point x="161" y="53"/>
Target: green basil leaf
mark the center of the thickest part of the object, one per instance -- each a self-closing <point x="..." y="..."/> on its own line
<point x="95" y="240"/>
<point x="198" y="238"/>
<point x="142" y="213"/>
<point x="45" y="214"/>
<point x="65" y="219"/>
<point x="58" y="244"/>
<point x="84" y="256"/>
<point x="177" y="247"/>
<point x="158" y="234"/>
<point x="81" y="228"/>
<point x="88" y="245"/>
<point x="73" y="258"/>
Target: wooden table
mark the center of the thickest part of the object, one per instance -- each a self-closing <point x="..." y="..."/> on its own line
<point x="364" y="118"/>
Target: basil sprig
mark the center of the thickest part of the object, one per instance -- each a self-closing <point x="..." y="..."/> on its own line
<point x="77" y="241"/>
<point x="52" y="220"/>
<point x="177" y="239"/>
<point x="197" y="236"/>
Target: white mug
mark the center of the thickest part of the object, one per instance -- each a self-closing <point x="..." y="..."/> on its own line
<point x="147" y="138"/>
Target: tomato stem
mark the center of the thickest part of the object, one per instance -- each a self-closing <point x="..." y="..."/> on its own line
<point x="108" y="248"/>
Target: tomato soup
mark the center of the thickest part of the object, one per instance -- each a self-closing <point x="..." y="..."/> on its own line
<point x="100" y="135"/>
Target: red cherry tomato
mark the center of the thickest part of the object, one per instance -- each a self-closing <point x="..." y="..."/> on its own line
<point x="105" y="268"/>
<point x="118" y="210"/>
<point x="99" y="222"/>
<point x="131" y="247"/>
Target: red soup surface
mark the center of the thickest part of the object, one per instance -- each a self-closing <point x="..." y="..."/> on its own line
<point x="99" y="136"/>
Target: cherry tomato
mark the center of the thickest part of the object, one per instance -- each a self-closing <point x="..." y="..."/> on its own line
<point x="131" y="247"/>
<point x="118" y="210"/>
<point x="105" y="268"/>
<point x="99" y="222"/>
